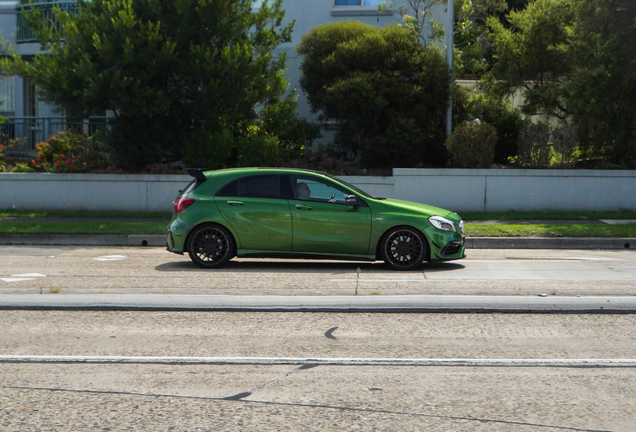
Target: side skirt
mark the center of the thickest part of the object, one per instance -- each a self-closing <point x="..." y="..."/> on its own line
<point x="242" y="253"/>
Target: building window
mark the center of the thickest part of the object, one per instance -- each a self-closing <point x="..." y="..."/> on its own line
<point x="7" y="93"/>
<point x="357" y="2"/>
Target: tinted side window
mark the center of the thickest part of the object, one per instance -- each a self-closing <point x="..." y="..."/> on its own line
<point x="286" y="190"/>
<point x="229" y="190"/>
<point x="262" y="186"/>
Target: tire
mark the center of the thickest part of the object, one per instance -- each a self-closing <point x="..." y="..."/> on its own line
<point x="210" y="246"/>
<point x="403" y="248"/>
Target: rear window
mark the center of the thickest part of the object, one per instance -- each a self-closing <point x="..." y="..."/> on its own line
<point x="191" y="186"/>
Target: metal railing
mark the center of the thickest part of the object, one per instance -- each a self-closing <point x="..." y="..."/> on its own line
<point x="24" y="33"/>
<point x="26" y="132"/>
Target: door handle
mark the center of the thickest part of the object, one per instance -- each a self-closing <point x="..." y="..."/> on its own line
<point x="235" y="203"/>
<point x="302" y="207"/>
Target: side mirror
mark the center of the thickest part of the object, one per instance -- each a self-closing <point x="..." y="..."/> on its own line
<point x="351" y="200"/>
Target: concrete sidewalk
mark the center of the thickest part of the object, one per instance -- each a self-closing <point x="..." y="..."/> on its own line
<point x="375" y="304"/>
<point x="607" y="243"/>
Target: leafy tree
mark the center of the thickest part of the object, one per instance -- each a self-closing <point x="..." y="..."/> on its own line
<point x="574" y="59"/>
<point x="386" y="91"/>
<point x="416" y="15"/>
<point x="472" y="47"/>
<point x="177" y="74"/>
<point x="601" y="93"/>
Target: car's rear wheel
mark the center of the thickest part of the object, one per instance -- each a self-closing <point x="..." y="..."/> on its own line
<point x="210" y="246"/>
<point x="403" y="248"/>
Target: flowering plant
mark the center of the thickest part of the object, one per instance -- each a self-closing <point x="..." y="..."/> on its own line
<point x="69" y="152"/>
<point x="3" y="150"/>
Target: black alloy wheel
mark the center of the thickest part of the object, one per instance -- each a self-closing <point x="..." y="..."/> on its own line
<point x="404" y="248"/>
<point x="210" y="246"/>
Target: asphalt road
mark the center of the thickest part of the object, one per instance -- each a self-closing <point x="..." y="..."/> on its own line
<point x="111" y="270"/>
<point x="244" y="394"/>
<point x="226" y="371"/>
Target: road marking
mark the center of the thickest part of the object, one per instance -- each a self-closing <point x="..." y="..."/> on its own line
<point x="559" y="259"/>
<point x="22" y="277"/>
<point x="314" y="360"/>
<point x="461" y="280"/>
<point x="546" y="259"/>
<point x="111" y="258"/>
<point x="381" y="280"/>
<point x="15" y="279"/>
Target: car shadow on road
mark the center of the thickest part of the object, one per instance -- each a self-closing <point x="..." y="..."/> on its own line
<point x="304" y="266"/>
<point x="442" y="267"/>
<point x="276" y="266"/>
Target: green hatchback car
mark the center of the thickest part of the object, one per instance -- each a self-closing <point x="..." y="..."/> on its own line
<point x="294" y="213"/>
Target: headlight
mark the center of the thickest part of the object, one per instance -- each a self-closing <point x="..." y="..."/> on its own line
<point x="442" y="223"/>
<point x="461" y="227"/>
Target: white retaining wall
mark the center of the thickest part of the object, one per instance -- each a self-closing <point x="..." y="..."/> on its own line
<point x="454" y="189"/>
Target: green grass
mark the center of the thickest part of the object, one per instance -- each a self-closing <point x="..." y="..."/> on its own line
<point x="618" y="230"/>
<point x="142" y="228"/>
<point x="515" y="215"/>
<point x="84" y="214"/>
<point x="472" y="230"/>
<point x="476" y="216"/>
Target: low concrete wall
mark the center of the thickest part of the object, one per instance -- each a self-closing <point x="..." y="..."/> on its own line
<point x="508" y="189"/>
<point x="456" y="189"/>
<point x="90" y="191"/>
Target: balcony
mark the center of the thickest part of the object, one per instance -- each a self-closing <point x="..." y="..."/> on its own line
<point x="26" y="132"/>
<point x="24" y="33"/>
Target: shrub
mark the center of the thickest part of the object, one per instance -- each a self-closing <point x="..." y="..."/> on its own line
<point x="472" y="145"/>
<point x="22" y="168"/>
<point x="257" y="148"/>
<point x="564" y="140"/>
<point x="225" y="148"/>
<point x="70" y="152"/>
<point x="535" y="150"/>
<point x="210" y="150"/>
<point x="295" y="134"/>
<point x="506" y="120"/>
<point x="321" y="159"/>
<point x="609" y="166"/>
<point x="2" y="163"/>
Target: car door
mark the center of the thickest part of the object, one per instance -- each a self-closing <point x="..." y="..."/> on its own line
<point x="253" y="206"/>
<point x="323" y="222"/>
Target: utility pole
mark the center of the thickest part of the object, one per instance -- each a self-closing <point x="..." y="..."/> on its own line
<point x="449" y="61"/>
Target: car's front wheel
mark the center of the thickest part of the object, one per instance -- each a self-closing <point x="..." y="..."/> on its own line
<point x="403" y="248"/>
<point x="210" y="246"/>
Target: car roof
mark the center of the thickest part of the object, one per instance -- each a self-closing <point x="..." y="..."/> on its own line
<point x="261" y="170"/>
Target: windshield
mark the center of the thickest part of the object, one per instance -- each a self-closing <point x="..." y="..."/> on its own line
<point x="356" y="189"/>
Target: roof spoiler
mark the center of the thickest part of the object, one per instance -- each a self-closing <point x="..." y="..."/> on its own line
<point x="197" y="174"/>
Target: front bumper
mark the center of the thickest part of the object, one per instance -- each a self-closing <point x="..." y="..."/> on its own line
<point x="446" y="246"/>
<point x="453" y="249"/>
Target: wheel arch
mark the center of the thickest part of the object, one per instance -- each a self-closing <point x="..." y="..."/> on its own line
<point x="378" y="245"/>
<point x="210" y="223"/>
